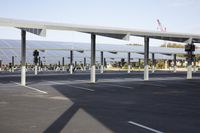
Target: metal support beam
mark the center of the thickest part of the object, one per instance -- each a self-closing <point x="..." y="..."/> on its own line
<point x="39" y="62"/>
<point x="93" y="58"/>
<point x="23" y="57"/>
<point x="146" y="58"/>
<point x="84" y="64"/>
<point x="102" y="64"/>
<point x="129" y="62"/>
<point x="153" y="63"/>
<point x="71" y="62"/>
<point x="139" y="64"/>
<point x="13" y="63"/>
<point x="174" y="63"/>
<point x="63" y="63"/>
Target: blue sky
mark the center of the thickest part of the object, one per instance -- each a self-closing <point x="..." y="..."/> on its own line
<point x="175" y="15"/>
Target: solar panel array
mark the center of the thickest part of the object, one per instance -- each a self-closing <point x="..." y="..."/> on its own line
<point x="52" y="52"/>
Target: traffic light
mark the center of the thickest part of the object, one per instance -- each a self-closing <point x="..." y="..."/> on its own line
<point x="35" y="54"/>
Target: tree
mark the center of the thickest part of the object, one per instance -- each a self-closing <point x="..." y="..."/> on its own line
<point x="134" y="44"/>
<point x="173" y="45"/>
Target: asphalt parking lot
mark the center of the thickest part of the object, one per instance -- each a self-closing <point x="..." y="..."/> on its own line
<point x="117" y="103"/>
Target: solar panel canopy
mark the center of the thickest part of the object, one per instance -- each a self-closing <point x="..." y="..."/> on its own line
<point x="39" y="28"/>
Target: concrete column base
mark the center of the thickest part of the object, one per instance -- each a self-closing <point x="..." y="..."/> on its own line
<point x="189" y="72"/>
<point x="93" y="74"/>
<point x="63" y="68"/>
<point x="36" y="70"/>
<point x="153" y="69"/>
<point x="71" y="69"/>
<point x="39" y="69"/>
<point x="195" y="69"/>
<point x="23" y="75"/>
<point x="45" y="68"/>
<point x="174" y="69"/>
<point x="102" y="68"/>
<point x="129" y="68"/>
<point x="166" y="65"/>
<point x="12" y="69"/>
<point x="146" y="72"/>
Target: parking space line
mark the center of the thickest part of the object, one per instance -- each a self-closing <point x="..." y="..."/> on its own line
<point x="78" y="87"/>
<point x="57" y="83"/>
<point x="35" y="89"/>
<point x="82" y="88"/>
<point x="114" y="85"/>
<point x="151" y="84"/>
<point x="8" y="86"/>
<point x="157" y="85"/>
<point x="145" y="127"/>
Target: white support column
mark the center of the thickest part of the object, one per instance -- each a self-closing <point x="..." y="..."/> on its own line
<point x="129" y="59"/>
<point x="189" y="65"/>
<point x="45" y="68"/>
<point x="63" y="68"/>
<point x="189" y="71"/>
<point x="102" y="63"/>
<point x="23" y="57"/>
<point x="75" y="65"/>
<point x="153" y="63"/>
<point x="0" y="65"/>
<point x="71" y="62"/>
<point x="146" y="58"/>
<point x="93" y="58"/>
<point x="174" y="63"/>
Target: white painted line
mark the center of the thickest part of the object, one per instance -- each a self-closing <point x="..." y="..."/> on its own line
<point x="151" y="84"/>
<point x="157" y="85"/>
<point x="44" y="92"/>
<point x="57" y="83"/>
<point x="67" y="82"/>
<point x="126" y="87"/>
<point x="78" y="87"/>
<point x="8" y="86"/>
<point x="82" y="88"/>
<point x="145" y="127"/>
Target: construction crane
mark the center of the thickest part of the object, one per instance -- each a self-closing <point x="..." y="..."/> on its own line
<point x="161" y="27"/>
